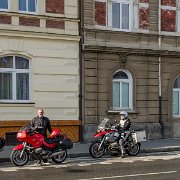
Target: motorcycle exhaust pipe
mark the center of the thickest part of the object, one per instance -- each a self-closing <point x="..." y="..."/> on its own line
<point x="52" y="155"/>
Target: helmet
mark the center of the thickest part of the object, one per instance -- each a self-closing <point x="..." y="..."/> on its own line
<point x="55" y="133"/>
<point x="123" y="114"/>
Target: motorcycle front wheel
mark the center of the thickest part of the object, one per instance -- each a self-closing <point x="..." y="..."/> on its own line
<point x="60" y="157"/>
<point x="94" y="150"/>
<point x="134" y="150"/>
<point x="17" y="159"/>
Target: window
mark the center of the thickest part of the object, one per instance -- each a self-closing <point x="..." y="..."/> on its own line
<point x="176" y="97"/>
<point x="116" y="14"/>
<point x="119" y="14"/>
<point x="14" y="79"/>
<point x="122" y="90"/>
<point x="27" y="6"/>
<point x="3" y="4"/>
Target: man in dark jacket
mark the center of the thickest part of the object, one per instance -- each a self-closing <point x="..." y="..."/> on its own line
<point x="41" y="122"/>
<point x="124" y="125"/>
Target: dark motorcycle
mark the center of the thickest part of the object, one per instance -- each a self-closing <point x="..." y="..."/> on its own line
<point x="2" y="144"/>
<point x="34" y="146"/>
<point x="107" y="141"/>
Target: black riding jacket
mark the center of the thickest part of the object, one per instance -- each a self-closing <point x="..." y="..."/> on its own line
<point x="125" y="125"/>
<point x="42" y="122"/>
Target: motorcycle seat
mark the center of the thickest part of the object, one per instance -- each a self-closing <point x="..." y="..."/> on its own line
<point x="54" y="140"/>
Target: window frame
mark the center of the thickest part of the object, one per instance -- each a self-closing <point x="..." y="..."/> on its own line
<point x="130" y="82"/>
<point x="27" y="8"/>
<point x="109" y="14"/>
<point x="176" y="90"/>
<point x="2" y="9"/>
<point x="15" y="71"/>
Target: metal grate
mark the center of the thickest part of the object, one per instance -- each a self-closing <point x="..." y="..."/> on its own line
<point x="11" y="139"/>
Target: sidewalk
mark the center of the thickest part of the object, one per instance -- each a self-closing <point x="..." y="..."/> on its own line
<point x="80" y="149"/>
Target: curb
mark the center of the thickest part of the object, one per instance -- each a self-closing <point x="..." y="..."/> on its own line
<point x="5" y="160"/>
<point x="165" y="149"/>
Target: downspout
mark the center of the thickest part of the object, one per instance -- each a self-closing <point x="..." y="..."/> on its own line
<point x="81" y="107"/>
<point x="159" y="75"/>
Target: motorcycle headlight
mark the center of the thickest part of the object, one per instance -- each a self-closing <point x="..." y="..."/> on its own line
<point x="21" y="135"/>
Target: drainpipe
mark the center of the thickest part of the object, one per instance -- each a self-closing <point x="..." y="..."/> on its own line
<point x="159" y="75"/>
<point x="81" y="107"/>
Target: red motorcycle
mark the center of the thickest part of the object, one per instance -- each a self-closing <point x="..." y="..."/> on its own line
<point x="106" y="140"/>
<point x="36" y="147"/>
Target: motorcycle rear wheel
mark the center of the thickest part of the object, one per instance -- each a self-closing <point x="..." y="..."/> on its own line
<point x="94" y="152"/>
<point x="61" y="157"/>
<point x="134" y="150"/>
<point x="17" y="160"/>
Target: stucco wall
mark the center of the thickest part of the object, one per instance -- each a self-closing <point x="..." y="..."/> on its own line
<point x="54" y="75"/>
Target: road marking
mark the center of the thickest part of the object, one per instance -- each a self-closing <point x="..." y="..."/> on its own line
<point x="88" y="161"/>
<point x="131" y="175"/>
<point x="12" y="169"/>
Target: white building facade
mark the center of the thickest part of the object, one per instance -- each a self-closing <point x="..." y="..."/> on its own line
<point x="39" y="64"/>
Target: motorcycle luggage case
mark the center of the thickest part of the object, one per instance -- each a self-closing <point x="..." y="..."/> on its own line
<point x="139" y="136"/>
<point x="66" y="144"/>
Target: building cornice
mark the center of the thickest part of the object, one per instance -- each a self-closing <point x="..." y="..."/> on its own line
<point x="129" y="51"/>
<point x="38" y="35"/>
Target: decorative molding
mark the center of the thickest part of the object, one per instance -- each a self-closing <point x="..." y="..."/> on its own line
<point x="129" y="51"/>
<point x="122" y="60"/>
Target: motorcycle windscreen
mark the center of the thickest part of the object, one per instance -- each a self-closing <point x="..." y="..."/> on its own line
<point x="25" y="127"/>
<point x="103" y="123"/>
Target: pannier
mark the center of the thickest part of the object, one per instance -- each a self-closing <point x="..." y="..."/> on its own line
<point x="66" y="143"/>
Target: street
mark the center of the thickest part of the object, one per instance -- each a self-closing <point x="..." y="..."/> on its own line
<point x="164" y="165"/>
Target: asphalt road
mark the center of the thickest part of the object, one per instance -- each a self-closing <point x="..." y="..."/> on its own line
<point x="143" y="167"/>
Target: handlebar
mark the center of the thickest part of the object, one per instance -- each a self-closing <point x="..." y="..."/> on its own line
<point x="35" y="129"/>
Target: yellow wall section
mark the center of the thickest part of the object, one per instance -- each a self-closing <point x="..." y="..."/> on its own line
<point x="71" y="128"/>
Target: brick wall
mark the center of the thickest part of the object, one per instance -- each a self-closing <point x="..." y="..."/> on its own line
<point x="55" y="6"/>
<point x="144" y="14"/>
<point x="54" y="24"/>
<point x="29" y="21"/>
<point x="144" y="18"/>
<point x="168" y="16"/>
<point x="5" y="19"/>
<point x="100" y="13"/>
<point x="69" y="127"/>
<point x="168" y="3"/>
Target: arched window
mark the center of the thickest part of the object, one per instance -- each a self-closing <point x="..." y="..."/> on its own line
<point x="122" y="90"/>
<point x="176" y="97"/>
<point x="14" y="79"/>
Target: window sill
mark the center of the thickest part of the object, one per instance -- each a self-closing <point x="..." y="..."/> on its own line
<point x="118" y="111"/>
<point x="15" y="104"/>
